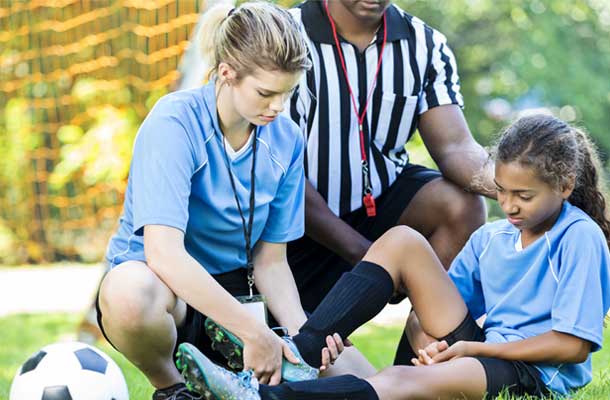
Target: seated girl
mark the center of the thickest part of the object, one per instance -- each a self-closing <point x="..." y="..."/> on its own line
<point x="541" y="276"/>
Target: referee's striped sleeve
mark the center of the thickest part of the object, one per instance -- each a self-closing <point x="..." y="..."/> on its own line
<point x="442" y="84"/>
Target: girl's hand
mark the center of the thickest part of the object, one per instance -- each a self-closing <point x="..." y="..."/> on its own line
<point x="425" y="356"/>
<point x="458" y="349"/>
<point x="334" y="347"/>
<point x="263" y="355"/>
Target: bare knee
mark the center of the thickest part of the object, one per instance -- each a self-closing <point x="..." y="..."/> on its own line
<point x="396" y="247"/>
<point x="397" y="241"/>
<point x="132" y="297"/>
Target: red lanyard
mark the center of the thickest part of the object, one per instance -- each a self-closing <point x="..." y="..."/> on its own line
<point x="367" y="199"/>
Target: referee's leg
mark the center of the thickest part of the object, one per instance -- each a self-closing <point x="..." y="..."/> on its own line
<point x="446" y="215"/>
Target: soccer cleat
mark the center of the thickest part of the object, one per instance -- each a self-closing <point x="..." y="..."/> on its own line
<point x="212" y="381"/>
<point x="231" y="347"/>
<point x="176" y="392"/>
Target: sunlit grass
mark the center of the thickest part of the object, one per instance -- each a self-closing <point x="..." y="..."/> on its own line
<point x="22" y="335"/>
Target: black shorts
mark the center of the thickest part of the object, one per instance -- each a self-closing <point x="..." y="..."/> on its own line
<point x="316" y="269"/>
<point x="518" y="377"/>
<point x="191" y="331"/>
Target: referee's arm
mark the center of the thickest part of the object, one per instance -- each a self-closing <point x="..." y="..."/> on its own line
<point x="323" y="226"/>
<point x="459" y="157"/>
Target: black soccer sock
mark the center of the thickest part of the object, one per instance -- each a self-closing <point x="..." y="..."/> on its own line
<point x="404" y="352"/>
<point x="356" y="298"/>
<point x="338" y="387"/>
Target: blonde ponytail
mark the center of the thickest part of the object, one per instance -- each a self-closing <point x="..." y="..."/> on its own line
<point x="210" y="29"/>
<point x="255" y="34"/>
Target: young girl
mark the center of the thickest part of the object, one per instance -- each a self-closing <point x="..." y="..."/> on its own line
<point x="541" y="277"/>
<point x="216" y="189"/>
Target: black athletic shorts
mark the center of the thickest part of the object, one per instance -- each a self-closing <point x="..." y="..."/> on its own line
<point x="518" y="377"/>
<point x="316" y="269"/>
<point x="234" y="282"/>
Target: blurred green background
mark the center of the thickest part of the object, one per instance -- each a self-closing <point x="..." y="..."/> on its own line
<point x="77" y="78"/>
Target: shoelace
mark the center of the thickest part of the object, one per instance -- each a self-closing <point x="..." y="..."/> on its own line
<point x="183" y="391"/>
<point x="247" y="380"/>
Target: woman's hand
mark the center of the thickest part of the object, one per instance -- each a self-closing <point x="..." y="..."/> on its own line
<point x="334" y="347"/>
<point x="263" y="355"/>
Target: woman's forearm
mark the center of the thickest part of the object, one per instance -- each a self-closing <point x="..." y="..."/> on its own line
<point x="275" y="281"/>
<point x="189" y="281"/>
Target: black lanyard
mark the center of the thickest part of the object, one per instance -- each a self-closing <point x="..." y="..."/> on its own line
<point x="248" y="227"/>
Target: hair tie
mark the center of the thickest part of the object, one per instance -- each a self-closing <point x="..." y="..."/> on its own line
<point x="231" y="11"/>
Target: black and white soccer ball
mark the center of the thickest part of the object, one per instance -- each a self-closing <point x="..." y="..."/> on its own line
<point x="69" y="371"/>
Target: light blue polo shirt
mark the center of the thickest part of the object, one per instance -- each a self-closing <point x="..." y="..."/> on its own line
<point x="178" y="178"/>
<point x="560" y="282"/>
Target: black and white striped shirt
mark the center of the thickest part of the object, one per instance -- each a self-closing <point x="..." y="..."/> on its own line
<point x="418" y="72"/>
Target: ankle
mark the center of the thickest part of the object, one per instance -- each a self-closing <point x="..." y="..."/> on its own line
<point x="310" y="346"/>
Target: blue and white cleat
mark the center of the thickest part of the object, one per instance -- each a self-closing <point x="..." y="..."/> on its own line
<point x="231" y="348"/>
<point x="212" y="381"/>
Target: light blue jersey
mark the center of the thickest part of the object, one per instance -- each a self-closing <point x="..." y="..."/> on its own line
<point x="560" y="282"/>
<point x="179" y="178"/>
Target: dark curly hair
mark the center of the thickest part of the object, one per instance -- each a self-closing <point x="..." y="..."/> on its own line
<point x="558" y="152"/>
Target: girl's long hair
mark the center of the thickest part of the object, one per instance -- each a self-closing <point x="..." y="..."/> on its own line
<point x="558" y="153"/>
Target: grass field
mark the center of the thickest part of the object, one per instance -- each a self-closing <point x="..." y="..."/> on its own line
<point x="22" y="335"/>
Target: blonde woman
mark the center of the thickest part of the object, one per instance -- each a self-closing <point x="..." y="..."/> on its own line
<point x="216" y="189"/>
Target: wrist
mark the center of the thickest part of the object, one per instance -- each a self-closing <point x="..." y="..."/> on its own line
<point x="252" y="332"/>
<point x="480" y="349"/>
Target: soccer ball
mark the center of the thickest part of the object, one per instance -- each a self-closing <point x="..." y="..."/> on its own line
<point x="69" y="371"/>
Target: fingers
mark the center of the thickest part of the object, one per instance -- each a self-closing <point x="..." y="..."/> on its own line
<point x="442" y="345"/>
<point x="262" y="377"/>
<point x="339" y="342"/>
<point x="325" y="359"/>
<point x="431" y="349"/>
<point x="332" y="348"/>
<point x="288" y="354"/>
<point x="425" y="358"/>
<point x="276" y="377"/>
<point x="442" y="356"/>
<point x="259" y="374"/>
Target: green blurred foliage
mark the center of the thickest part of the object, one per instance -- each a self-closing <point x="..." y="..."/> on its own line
<point x="518" y="54"/>
<point x="99" y="151"/>
<point x="17" y="140"/>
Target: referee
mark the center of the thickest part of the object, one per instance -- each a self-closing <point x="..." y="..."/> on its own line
<point x="379" y="74"/>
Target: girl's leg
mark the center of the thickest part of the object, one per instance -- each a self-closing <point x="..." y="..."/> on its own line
<point x="351" y="362"/>
<point x="414" y="267"/>
<point x="462" y="378"/>
<point x="139" y="316"/>
<point x="400" y="259"/>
